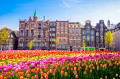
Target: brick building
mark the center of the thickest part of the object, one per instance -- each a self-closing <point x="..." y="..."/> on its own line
<point x="62" y="35"/>
<point x="74" y="36"/>
<point x="37" y="31"/>
<point x="52" y="33"/>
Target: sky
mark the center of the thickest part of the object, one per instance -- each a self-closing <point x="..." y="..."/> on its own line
<point x="11" y="11"/>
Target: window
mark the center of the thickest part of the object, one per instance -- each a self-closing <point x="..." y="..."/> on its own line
<point x="101" y="39"/>
<point x="97" y="45"/>
<point x="59" y="40"/>
<point x="32" y="25"/>
<point x="44" y="32"/>
<point x="97" y="34"/>
<point x="75" y="30"/>
<point x="88" y="38"/>
<point x="101" y="25"/>
<point x="70" y="30"/>
<point x="92" y="38"/>
<point x="43" y="43"/>
<point x="65" y="24"/>
<point x="61" y="35"/>
<point x="58" y="35"/>
<point x="101" y="29"/>
<point x="61" y="24"/>
<point x="39" y="25"/>
<point x="83" y="31"/>
<point x="57" y="24"/>
<point x="53" y="34"/>
<point x="27" y="25"/>
<point x="21" y="32"/>
<point x="32" y="32"/>
<point x="92" y="43"/>
<point x="22" y="25"/>
<point x="74" y="26"/>
<point x="44" y="25"/>
<point x="65" y="30"/>
<point x="53" y="29"/>
<point x="27" y="32"/>
<point x="58" y="29"/>
<point x="62" y="30"/>
<point x="88" y="43"/>
<point x="92" y="32"/>
<point x="70" y="25"/>
<point x="78" y="26"/>
<point x="78" y="30"/>
<point x="97" y="39"/>
<point x="88" y="27"/>
<point x="59" y="45"/>
<point x="53" y="39"/>
<point x="101" y="45"/>
<point x="52" y="24"/>
<point x="66" y="35"/>
<point x="63" y="46"/>
<point x="84" y="37"/>
<point x="88" y="32"/>
<point x="38" y="44"/>
<point x="39" y="32"/>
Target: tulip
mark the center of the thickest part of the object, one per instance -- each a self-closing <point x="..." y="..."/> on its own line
<point x="85" y="72"/>
<point x="62" y="72"/>
<point x="66" y="74"/>
<point x="46" y="76"/>
<point x="76" y="76"/>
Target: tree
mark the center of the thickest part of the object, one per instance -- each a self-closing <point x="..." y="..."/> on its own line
<point x="56" y="42"/>
<point x="30" y="45"/>
<point x="4" y="36"/>
<point x="108" y="39"/>
<point x="83" y="44"/>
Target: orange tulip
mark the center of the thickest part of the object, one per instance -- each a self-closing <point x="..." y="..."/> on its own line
<point x="90" y="70"/>
<point x="62" y="72"/>
<point x="28" y="71"/>
<point x="85" y="72"/>
<point x="53" y="73"/>
<point x="5" y="78"/>
<point x="75" y="68"/>
<point x="36" y="76"/>
<point x="1" y="76"/>
<point x="22" y="73"/>
<point x="66" y="74"/>
<point x="21" y="77"/>
<point x="28" y="75"/>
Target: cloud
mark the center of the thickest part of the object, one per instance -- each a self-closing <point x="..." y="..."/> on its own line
<point x="70" y="3"/>
<point x="66" y="4"/>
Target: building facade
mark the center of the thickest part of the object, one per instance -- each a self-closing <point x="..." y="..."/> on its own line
<point x="101" y="30"/>
<point x="74" y="36"/>
<point x="52" y="35"/>
<point x="69" y="35"/>
<point x="62" y="35"/>
<point x="88" y="34"/>
<point x="37" y="31"/>
<point x="115" y="46"/>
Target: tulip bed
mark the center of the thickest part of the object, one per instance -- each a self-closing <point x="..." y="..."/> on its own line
<point x="35" y="64"/>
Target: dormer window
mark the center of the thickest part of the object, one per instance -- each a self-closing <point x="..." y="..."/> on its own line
<point x="88" y="27"/>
